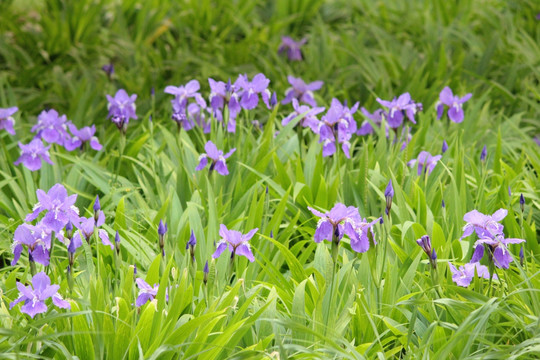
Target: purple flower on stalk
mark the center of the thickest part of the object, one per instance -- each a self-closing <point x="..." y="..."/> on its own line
<point x="337" y="125"/>
<point x="32" y="154"/>
<point x="206" y="271"/>
<point x="464" y="275"/>
<point x="425" y="162"/>
<point x="51" y="127"/>
<point x="367" y="128"/>
<point x="258" y="85"/>
<point x="483" y="154"/>
<point x="6" y="119"/>
<point x="397" y="106"/>
<point x="301" y="91"/>
<point x="389" y="195"/>
<point x="225" y="94"/>
<point x="444" y="146"/>
<point x="108" y="69"/>
<point x="162" y="230"/>
<point x="309" y="118"/>
<point x="81" y="137"/>
<point x="236" y="242"/>
<point x="522" y="202"/>
<point x="191" y="245"/>
<point x="425" y="243"/>
<point x="122" y="108"/>
<point x="292" y="48"/>
<point x="146" y="292"/>
<point x="217" y="158"/>
<point x="454" y="103"/>
<point x="34" y="295"/>
<point x="36" y="238"/>
<point x="60" y="208"/>
<point x="483" y="225"/>
<point x="117" y="242"/>
<point x="183" y="93"/>
<point x="360" y="231"/>
<point x="87" y="227"/>
<point x="498" y="248"/>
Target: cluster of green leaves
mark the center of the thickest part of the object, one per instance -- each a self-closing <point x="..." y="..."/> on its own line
<point x="288" y="303"/>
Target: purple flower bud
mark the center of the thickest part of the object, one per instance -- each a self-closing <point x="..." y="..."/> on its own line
<point x="152" y="91"/>
<point x="134" y="269"/>
<point x="425" y="243"/>
<point x="381" y="221"/>
<point x="71" y="251"/>
<point x="228" y="86"/>
<point x="443" y="204"/>
<point x="433" y="255"/>
<point x="162" y="228"/>
<point x="109" y="69"/>
<point x="273" y="100"/>
<point x="69" y="230"/>
<point x="483" y="154"/>
<point x="389" y="194"/>
<point x="97" y="205"/>
<point x="117" y="242"/>
<point x="444" y="146"/>
<point x="206" y="270"/>
<point x="266" y="189"/>
<point x="192" y="239"/>
<point x="522" y="203"/>
<point x="272" y="234"/>
<point x="521" y="256"/>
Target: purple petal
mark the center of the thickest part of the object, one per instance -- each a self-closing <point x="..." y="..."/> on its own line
<point x="61" y="303"/>
<point x="478" y="253"/>
<point x="245" y="250"/>
<point x="211" y="150"/>
<point x="221" y="168"/>
<point x="446" y="96"/>
<point x="221" y="246"/>
<point x="142" y="299"/>
<point x="32" y="308"/>
<point x="324" y="232"/>
<point x="499" y="214"/>
<point x="455" y="114"/>
<point x="105" y="238"/>
<point x="502" y="257"/>
<point x="249" y="235"/>
<point x="203" y="161"/>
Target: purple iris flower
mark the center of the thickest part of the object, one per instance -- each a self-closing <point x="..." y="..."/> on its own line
<point x="6" y="119"/>
<point x="454" y="103"/>
<point x="217" y="157"/>
<point x="60" y="208"/>
<point x="32" y="154"/>
<point x="366" y="127"/>
<point x="333" y="222"/>
<point x="183" y="93"/>
<point x="498" y="246"/>
<point x="360" y="234"/>
<point x="425" y="162"/>
<point x="146" y="292"/>
<point x="309" y="118"/>
<point x="34" y="295"/>
<point x="36" y="238"/>
<point x="225" y="94"/>
<point x="51" y="127"/>
<point x="236" y="242"/>
<point x="81" y="137"/>
<point x="258" y="85"/>
<point x="397" y="106"/>
<point x="301" y="91"/>
<point x="483" y="225"/>
<point x="338" y="124"/>
<point x="464" y="275"/>
<point x="292" y="48"/>
<point x="87" y="227"/>
<point x="122" y="108"/>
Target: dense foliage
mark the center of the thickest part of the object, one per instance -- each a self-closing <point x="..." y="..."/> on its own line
<point x="282" y="223"/>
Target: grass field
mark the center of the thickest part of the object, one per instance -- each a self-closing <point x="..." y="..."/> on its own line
<point x="289" y="294"/>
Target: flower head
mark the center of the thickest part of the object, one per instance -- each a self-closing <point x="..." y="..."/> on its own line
<point x="36" y="238"/>
<point x="464" y="275"/>
<point x="146" y="292"/>
<point x="87" y="227"/>
<point x="32" y="154"/>
<point x="367" y="128"/>
<point x="483" y="225"/>
<point x="217" y="159"/>
<point x="301" y="91"/>
<point x="337" y="125"/>
<point x="59" y="206"/>
<point x="51" y="127"/>
<point x="122" y="109"/>
<point x="251" y="89"/>
<point x="81" y="137"/>
<point x="425" y="162"/>
<point x="498" y="248"/>
<point x="454" y="103"/>
<point x="34" y="295"/>
<point x="6" y="119"/>
<point x="236" y="242"/>
<point x="397" y="106"/>
<point x="309" y="118"/>
<point x="292" y="47"/>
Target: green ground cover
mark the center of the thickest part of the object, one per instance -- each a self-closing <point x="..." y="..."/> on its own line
<point x="298" y="298"/>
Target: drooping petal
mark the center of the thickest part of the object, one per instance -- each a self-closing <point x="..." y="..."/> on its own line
<point x="325" y="231"/>
<point x="221" y="246"/>
<point x="60" y="302"/>
<point x="455" y="114"/>
<point x="502" y="257"/>
<point x="478" y="253"/>
<point x="221" y="167"/>
<point x="34" y="307"/>
<point x="245" y="250"/>
<point x="143" y="298"/>
<point x="446" y="96"/>
<point x="105" y="238"/>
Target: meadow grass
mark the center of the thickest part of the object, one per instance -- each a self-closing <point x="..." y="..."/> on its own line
<point x="289" y="303"/>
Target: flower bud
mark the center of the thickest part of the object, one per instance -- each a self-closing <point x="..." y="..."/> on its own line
<point x="483" y="154"/>
<point x="522" y="203"/>
<point x="205" y="273"/>
<point x="389" y="195"/>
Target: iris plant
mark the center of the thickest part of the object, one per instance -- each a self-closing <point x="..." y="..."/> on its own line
<point x="33" y="154"/>
<point x="236" y="242"/>
<point x="454" y="103"/>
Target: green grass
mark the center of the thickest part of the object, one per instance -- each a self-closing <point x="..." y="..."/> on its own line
<point x="282" y="305"/>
